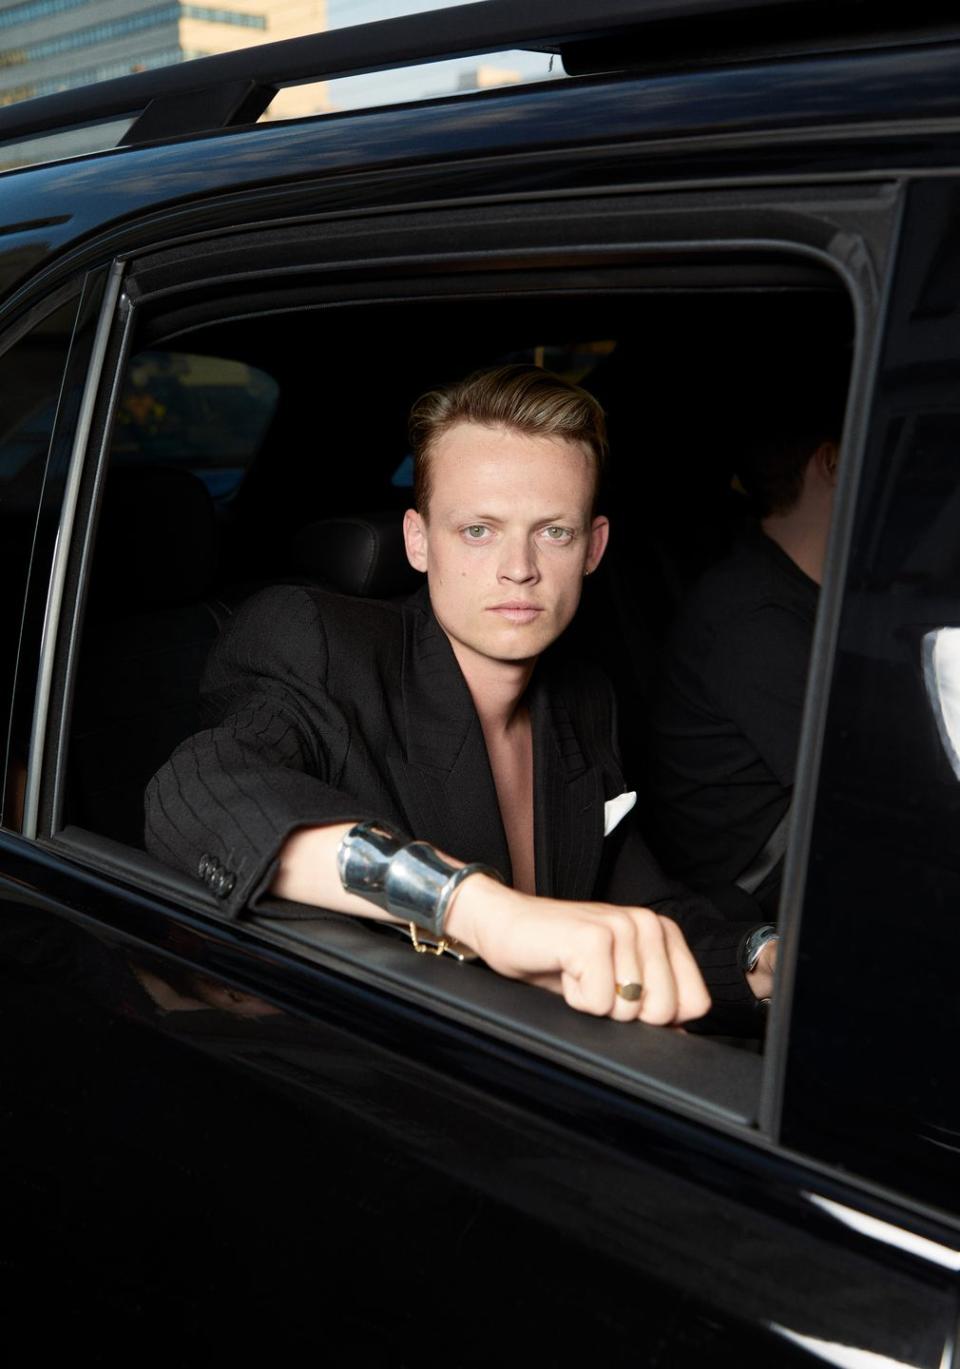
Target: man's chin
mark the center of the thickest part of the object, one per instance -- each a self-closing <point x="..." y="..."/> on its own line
<point x="517" y="644"/>
<point x="511" y="643"/>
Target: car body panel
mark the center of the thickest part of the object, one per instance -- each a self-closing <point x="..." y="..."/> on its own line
<point x="714" y="1238"/>
<point x="49" y="208"/>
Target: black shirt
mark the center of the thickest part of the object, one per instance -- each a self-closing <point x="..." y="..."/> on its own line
<point x="728" y="718"/>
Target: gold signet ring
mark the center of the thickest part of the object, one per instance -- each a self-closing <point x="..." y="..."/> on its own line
<point x="631" y="992"/>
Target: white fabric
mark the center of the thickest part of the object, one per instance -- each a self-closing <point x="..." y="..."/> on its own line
<point x="615" y="809"/>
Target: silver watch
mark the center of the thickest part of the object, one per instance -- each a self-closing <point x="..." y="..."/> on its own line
<point x="754" y="943"/>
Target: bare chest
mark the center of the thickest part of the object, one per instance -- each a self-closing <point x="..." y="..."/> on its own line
<point x="511" y="761"/>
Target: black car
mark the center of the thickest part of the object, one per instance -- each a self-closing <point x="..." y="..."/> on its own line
<point x="287" y="1133"/>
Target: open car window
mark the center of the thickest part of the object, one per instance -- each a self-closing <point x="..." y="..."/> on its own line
<point x="671" y="345"/>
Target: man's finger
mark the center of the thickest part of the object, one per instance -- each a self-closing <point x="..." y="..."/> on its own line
<point x="587" y="974"/>
<point x="659" y="1003"/>
<point x="629" y="985"/>
<point x="693" y="1000"/>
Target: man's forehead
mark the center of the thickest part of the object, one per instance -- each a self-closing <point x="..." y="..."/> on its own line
<point x="466" y="435"/>
<point x="469" y="459"/>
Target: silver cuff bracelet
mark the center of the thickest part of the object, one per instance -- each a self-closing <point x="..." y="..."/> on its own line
<point x="363" y="859"/>
<point x="420" y="885"/>
<point x="412" y="882"/>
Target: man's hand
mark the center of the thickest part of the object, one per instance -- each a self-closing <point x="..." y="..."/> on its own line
<point x="582" y="950"/>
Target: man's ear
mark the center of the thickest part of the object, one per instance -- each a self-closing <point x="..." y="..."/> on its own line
<point x="415" y="539"/>
<point x="599" y="536"/>
<point x="827" y="457"/>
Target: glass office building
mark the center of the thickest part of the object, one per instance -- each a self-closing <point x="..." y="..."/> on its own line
<point x="54" y="45"/>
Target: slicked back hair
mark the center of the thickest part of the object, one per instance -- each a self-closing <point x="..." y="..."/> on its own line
<point x="526" y="399"/>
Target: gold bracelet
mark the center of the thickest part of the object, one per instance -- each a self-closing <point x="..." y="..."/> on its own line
<point x="424" y="946"/>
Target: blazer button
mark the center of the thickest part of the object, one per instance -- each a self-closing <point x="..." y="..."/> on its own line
<point x="203" y="869"/>
<point x="222" y="882"/>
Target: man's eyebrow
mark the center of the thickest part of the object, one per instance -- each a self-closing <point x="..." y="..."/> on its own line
<point x="458" y="516"/>
<point x="470" y="516"/>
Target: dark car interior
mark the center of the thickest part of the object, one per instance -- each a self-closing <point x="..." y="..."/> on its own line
<point x="272" y="448"/>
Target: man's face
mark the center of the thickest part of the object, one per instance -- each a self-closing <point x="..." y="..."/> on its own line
<point x="507" y="539"/>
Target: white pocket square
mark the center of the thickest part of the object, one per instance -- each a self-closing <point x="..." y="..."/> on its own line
<point x="617" y="808"/>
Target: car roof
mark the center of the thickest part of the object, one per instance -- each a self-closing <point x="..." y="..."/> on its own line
<point x="188" y="138"/>
<point x="235" y="87"/>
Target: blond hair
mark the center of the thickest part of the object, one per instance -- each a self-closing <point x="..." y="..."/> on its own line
<point x="525" y="398"/>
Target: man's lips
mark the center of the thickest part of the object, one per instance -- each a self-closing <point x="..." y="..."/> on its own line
<point x="516" y="611"/>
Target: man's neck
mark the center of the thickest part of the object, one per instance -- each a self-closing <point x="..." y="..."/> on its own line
<point x="802" y="531"/>
<point x="496" y="687"/>
<point x="803" y="539"/>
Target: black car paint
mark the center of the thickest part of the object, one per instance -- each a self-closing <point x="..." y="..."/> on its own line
<point x="352" y="1139"/>
<point x="643" y="1227"/>
<point x="706" y="125"/>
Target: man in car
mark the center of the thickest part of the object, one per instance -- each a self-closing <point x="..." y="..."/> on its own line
<point x="734" y="677"/>
<point x="347" y="727"/>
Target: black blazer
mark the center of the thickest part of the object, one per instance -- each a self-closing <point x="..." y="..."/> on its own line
<point x="334" y="709"/>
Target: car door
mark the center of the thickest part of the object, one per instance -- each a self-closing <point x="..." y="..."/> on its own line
<point x="869" y="1050"/>
<point x="267" y="1133"/>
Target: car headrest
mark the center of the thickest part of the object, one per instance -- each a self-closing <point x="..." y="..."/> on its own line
<point x="157" y="543"/>
<point x="362" y="555"/>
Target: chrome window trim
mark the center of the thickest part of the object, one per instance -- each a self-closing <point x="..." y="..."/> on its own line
<point x="61" y="553"/>
<point x="97" y="463"/>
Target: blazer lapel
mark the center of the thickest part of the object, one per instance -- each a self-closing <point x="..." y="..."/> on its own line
<point x="445" y="780"/>
<point x="568" y="801"/>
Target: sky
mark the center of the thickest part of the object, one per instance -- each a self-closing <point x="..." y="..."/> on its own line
<point x="414" y="82"/>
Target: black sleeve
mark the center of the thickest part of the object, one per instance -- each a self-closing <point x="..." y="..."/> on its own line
<point x="228" y="798"/>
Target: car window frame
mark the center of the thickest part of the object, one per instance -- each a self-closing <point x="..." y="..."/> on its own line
<point x="852" y="261"/>
<point x="87" y="294"/>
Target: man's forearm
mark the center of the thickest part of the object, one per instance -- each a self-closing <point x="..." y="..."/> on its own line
<point x="308" y="872"/>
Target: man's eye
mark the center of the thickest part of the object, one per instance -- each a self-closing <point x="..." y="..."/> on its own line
<point x="558" y="534"/>
<point x="475" y="532"/>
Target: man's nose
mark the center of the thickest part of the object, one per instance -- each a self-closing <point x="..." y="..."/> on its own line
<point x="518" y="561"/>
